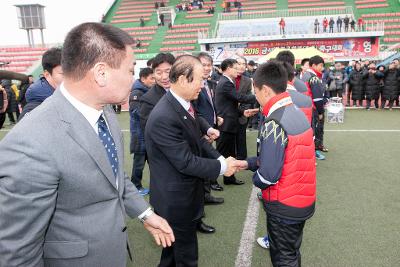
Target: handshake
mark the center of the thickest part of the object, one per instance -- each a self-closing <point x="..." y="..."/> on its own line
<point x="234" y="165"/>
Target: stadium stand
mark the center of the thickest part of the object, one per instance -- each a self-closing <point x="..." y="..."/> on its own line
<point x="189" y="25"/>
<point x="19" y="59"/>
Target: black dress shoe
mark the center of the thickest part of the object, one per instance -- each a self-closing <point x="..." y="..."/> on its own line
<point x="217" y="187"/>
<point x="204" y="228"/>
<point x="211" y="200"/>
<point x="233" y="182"/>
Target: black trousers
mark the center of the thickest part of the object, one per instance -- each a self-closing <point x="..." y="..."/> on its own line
<point x="383" y="104"/>
<point x="11" y="117"/>
<point x="375" y="102"/>
<point x="139" y="160"/>
<point x="318" y="127"/>
<point x="226" y="146"/>
<point x="184" y="251"/>
<point x="241" y="145"/>
<point x="284" y="241"/>
<point x="2" y="119"/>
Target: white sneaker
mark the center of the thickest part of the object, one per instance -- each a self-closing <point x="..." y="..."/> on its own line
<point x="263" y="242"/>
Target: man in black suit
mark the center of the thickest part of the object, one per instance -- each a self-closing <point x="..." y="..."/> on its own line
<point x="227" y="100"/>
<point x="161" y="66"/>
<point x="243" y="86"/>
<point x="204" y="105"/>
<point x="180" y="159"/>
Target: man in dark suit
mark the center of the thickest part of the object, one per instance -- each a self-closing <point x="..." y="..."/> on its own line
<point x="180" y="159"/>
<point x="227" y="100"/>
<point x="161" y="66"/>
<point x="204" y="105"/>
<point x="243" y="86"/>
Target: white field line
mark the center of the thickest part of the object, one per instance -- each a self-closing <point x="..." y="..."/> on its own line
<point x="244" y="256"/>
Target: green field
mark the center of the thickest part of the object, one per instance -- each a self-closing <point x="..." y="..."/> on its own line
<point x="357" y="220"/>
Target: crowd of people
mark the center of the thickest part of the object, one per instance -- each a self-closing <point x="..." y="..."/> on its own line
<point x="340" y="23"/>
<point x="346" y="24"/>
<point x="363" y="82"/>
<point x="187" y="5"/>
<point x="68" y="188"/>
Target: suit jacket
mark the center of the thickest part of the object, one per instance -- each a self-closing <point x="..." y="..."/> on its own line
<point x="227" y="101"/>
<point x="205" y="107"/>
<point x="59" y="202"/>
<point x="147" y="103"/>
<point x="180" y="160"/>
<point x="244" y="89"/>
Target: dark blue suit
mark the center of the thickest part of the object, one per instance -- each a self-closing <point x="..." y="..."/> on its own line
<point x="203" y="106"/>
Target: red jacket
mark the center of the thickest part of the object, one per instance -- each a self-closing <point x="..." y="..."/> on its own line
<point x="293" y="196"/>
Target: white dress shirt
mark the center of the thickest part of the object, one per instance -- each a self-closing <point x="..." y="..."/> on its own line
<point x="186" y="105"/>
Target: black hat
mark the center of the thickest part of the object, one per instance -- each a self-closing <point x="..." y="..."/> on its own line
<point x="251" y="63"/>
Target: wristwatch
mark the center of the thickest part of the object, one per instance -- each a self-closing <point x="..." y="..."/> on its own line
<point x="145" y="215"/>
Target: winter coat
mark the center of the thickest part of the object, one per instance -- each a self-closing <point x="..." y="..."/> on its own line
<point x="35" y="95"/>
<point x="337" y="83"/>
<point x="12" y="99"/>
<point x="137" y="133"/>
<point x="391" y="90"/>
<point x="372" y="81"/>
<point x="356" y="84"/>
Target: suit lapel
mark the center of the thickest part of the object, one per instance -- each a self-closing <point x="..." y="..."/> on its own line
<point x="79" y="129"/>
<point x="205" y="94"/>
<point x="191" y="125"/>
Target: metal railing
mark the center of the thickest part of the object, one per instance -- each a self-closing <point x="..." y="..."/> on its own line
<point x="292" y="31"/>
<point x="287" y="13"/>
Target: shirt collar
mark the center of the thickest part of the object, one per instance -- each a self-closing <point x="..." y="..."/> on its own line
<point x="229" y="78"/>
<point x="290" y="86"/>
<point x="91" y="115"/>
<point x="277" y="102"/>
<point x="317" y="73"/>
<point x="185" y="104"/>
<point x="205" y="84"/>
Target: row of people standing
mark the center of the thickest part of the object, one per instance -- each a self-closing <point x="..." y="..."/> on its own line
<point x="346" y="21"/>
<point x="375" y="84"/>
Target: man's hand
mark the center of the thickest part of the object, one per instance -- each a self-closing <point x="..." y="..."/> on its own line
<point x="250" y="112"/>
<point x="213" y="133"/>
<point x="220" y="121"/>
<point x="160" y="230"/>
<point x="320" y="117"/>
<point x="242" y="164"/>
<point x="208" y="139"/>
<point x="231" y="166"/>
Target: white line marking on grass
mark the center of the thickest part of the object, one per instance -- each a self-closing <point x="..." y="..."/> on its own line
<point x="243" y="258"/>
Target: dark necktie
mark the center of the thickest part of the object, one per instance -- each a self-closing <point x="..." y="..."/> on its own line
<point x="109" y="144"/>
<point x="209" y="93"/>
<point x="191" y="111"/>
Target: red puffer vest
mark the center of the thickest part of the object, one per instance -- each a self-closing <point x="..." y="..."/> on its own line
<point x="303" y="104"/>
<point x="293" y="196"/>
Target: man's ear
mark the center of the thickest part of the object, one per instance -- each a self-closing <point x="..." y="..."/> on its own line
<point x="182" y="80"/>
<point x="266" y="90"/>
<point x="100" y="73"/>
<point x="46" y="74"/>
